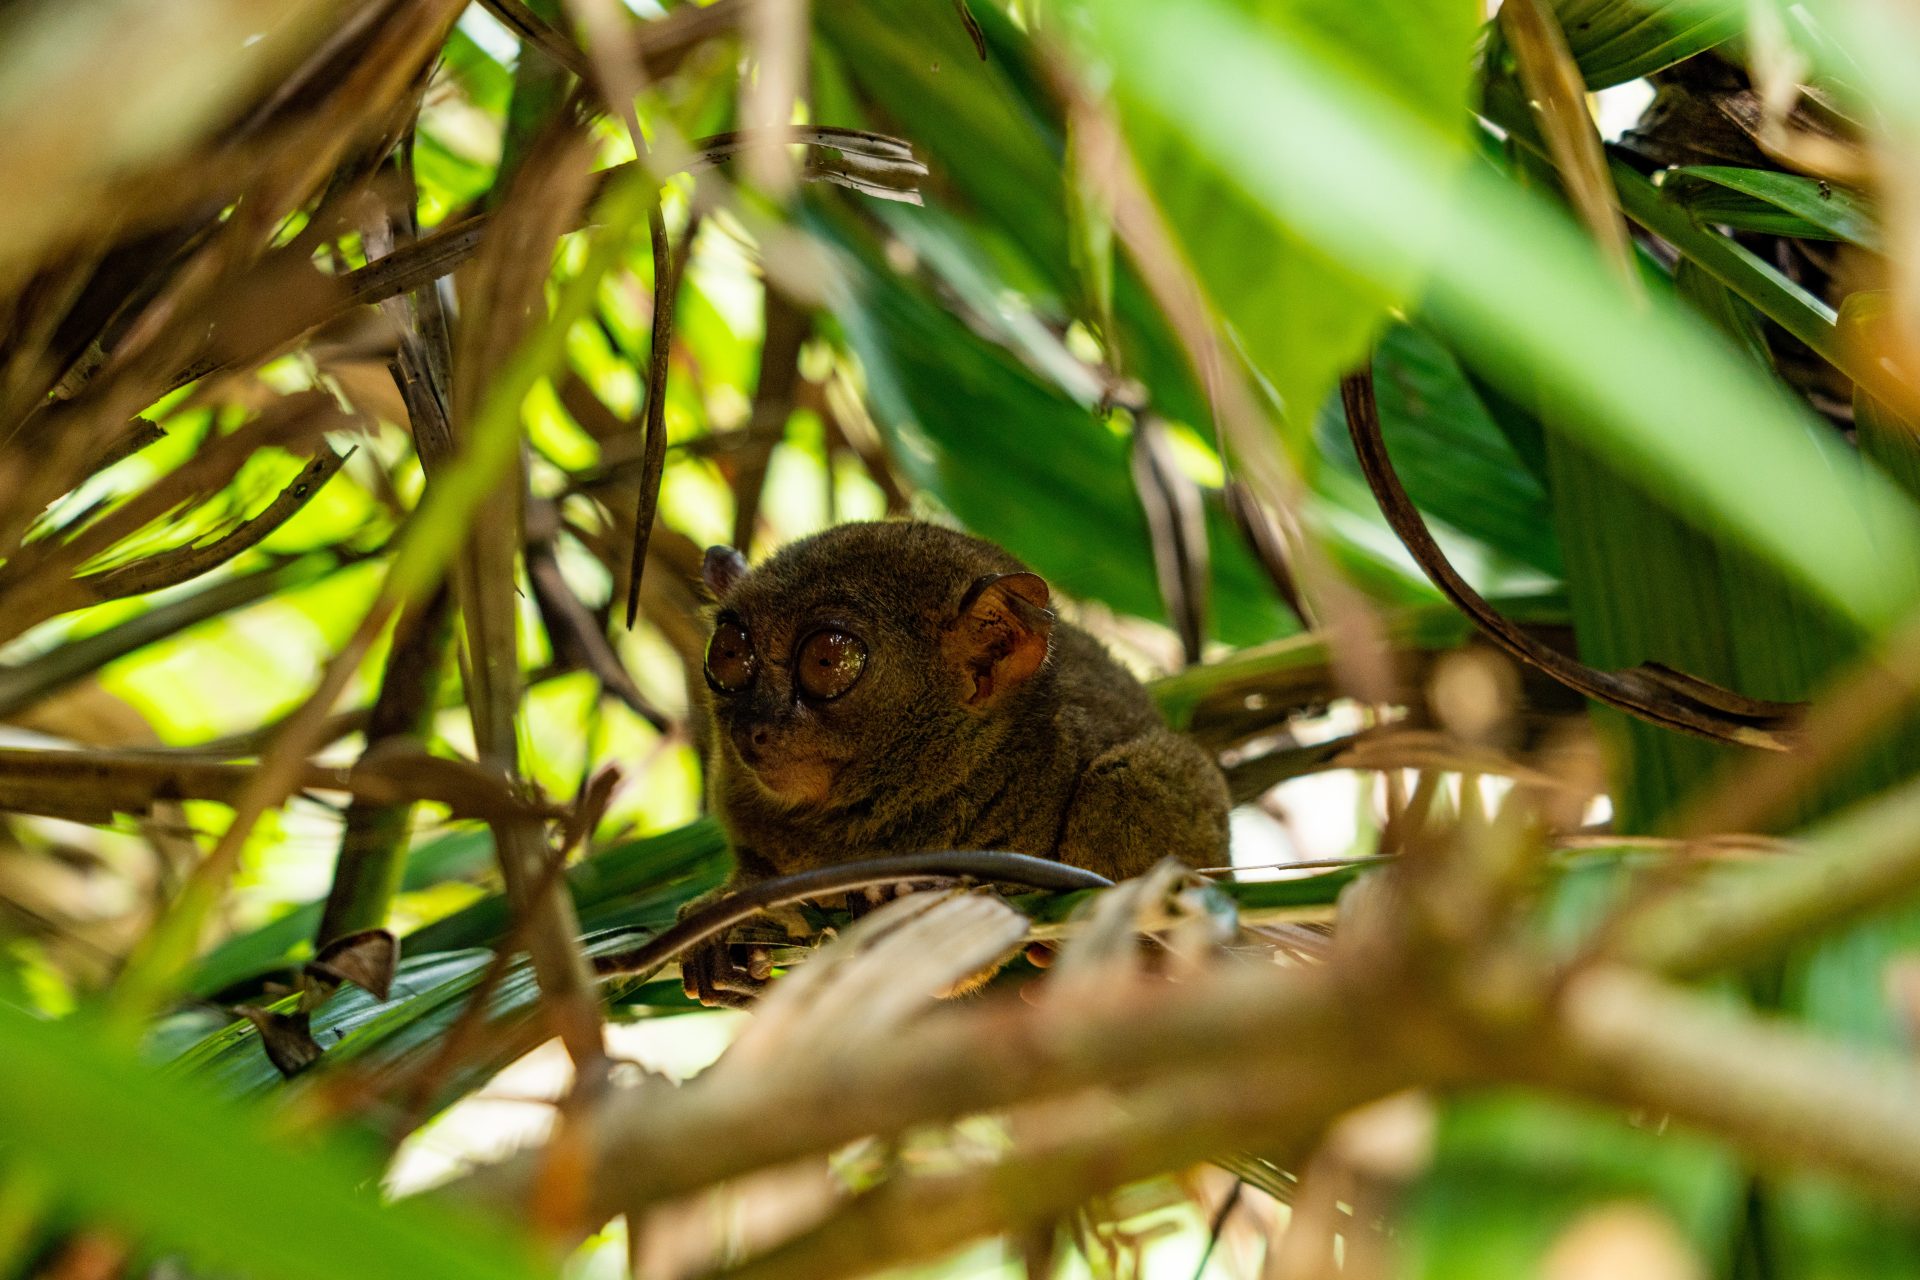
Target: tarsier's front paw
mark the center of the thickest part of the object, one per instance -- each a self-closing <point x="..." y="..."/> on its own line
<point x="725" y="975"/>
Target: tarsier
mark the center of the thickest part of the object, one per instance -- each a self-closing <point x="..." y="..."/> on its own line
<point x="896" y="687"/>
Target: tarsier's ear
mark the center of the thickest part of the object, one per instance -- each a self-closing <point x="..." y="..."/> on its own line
<point x="722" y="567"/>
<point x="999" y="637"/>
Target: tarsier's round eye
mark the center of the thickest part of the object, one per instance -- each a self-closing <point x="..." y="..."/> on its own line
<point x="730" y="660"/>
<point x="828" y="664"/>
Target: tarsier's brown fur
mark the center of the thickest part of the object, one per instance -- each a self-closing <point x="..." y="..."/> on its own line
<point x="978" y="720"/>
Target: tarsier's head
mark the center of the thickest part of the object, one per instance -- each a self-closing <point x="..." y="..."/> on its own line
<point x="865" y="651"/>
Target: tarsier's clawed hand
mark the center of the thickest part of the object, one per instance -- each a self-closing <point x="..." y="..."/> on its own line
<point x="723" y="974"/>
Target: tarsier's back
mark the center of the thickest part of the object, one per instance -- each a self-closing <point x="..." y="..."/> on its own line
<point x="894" y="687"/>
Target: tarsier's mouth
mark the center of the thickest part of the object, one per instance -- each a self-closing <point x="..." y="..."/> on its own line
<point x="797" y="782"/>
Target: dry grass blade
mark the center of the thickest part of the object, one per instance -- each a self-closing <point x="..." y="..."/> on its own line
<point x="101" y="90"/>
<point x="538" y="33"/>
<point x="1552" y="80"/>
<point x="24" y="684"/>
<point x="504" y="306"/>
<point x="225" y="285"/>
<point x="171" y="568"/>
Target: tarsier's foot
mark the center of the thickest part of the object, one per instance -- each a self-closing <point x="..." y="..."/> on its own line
<point x="713" y="973"/>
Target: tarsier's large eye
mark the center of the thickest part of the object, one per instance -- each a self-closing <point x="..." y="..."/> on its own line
<point x="730" y="660"/>
<point x="828" y="664"/>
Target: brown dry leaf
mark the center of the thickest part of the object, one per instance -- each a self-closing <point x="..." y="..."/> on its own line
<point x="1107" y="945"/>
<point x="888" y="967"/>
<point x="91" y="92"/>
<point x="86" y="714"/>
<point x="368" y="387"/>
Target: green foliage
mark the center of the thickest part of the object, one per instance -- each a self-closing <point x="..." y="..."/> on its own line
<point x="187" y="1171"/>
<point x="1666" y="471"/>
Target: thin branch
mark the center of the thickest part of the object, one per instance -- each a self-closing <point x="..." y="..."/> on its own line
<point x="1177" y="523"/>
<point x="373" y="836"/>
<point x="28" y="682"/>
<point x="1161" y="1128"/>
<point x="1655" y="693"/>
<point x="668" y="268"/>
<point x="969" y="1059"/>
<point x="1864" y="860"/>
<point x="183" y="564"/>
<point x="576" y="635"/>
<point x="93" y="785"/>
<point x="785" y="332"/>
<point x="736" y="908"/>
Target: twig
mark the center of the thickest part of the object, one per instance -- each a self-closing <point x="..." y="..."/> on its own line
<point x="774" y="392"/>
<point x="93" y="785"/>
<point x="574" y="633"/>
<point x="373" y="837"/>
<point x="171" y="568"/>
<point x="736" y="908"/>
<point x="666" y="283"/>
<point x="1860" y="861"/>
<point x="1176" y="520"/>
<point x="1228" y="1203"/>
<point x="1172" y="1124"/>
<point x="25" y="684"/>
<point x="1655" y="693"/>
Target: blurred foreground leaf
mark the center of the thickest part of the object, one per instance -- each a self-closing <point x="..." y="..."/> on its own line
<point x="161" y="1157"/>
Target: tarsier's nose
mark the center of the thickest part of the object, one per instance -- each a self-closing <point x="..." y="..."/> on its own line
<point x="751" y="741"/>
